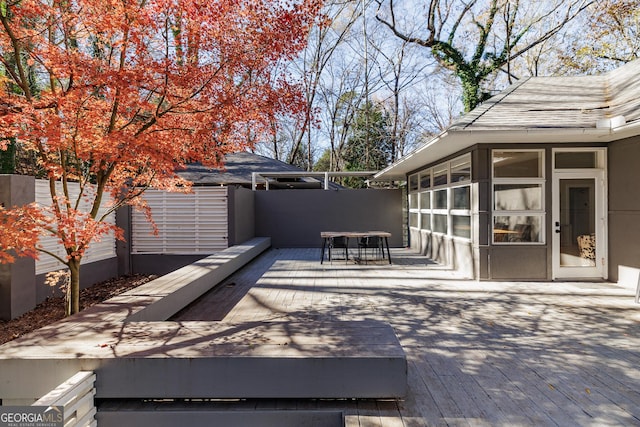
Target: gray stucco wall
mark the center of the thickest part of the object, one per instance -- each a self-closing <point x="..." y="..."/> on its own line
<point x="241" y="215"/>
<point x="20" y="288"/>
<point x="161" y="264"/>
<point x="90" y="274"/>
<point x="17" y="283"/>
<point x="295" y="218"/>
<point x="624" y="205"/>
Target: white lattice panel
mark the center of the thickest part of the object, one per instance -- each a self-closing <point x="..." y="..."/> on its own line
<point x="187" y="223"/>
<point x="104" y="249"/>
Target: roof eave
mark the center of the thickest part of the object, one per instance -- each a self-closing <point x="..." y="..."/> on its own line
<point x="452" y="141"/>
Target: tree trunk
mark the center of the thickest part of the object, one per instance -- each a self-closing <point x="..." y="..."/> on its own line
<point x="471" y="96"/>
<point x="74" y="285"/>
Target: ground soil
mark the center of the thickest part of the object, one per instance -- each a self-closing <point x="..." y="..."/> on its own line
<point x="52" y="309"/>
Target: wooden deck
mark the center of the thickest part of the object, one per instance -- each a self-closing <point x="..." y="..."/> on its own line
<point x="479" y="353"/>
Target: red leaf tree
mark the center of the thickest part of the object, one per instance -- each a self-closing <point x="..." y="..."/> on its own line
<point x="118" y="95"/>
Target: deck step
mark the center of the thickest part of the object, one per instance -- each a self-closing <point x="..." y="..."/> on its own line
<point x="208" y="418"/>
<point x="156" y="360"/>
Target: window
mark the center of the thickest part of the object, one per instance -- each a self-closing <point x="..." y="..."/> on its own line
<point x="440" y="223"/>
<point x="461" y="226"/>
<point x="446" y="209"/>
<point x="440" y="176"/>
<point x="425" y="180"/>
<point x="518" y="196"/>
<point x="462" y="198"/>
<point x="581" y="159"/>
<point x="517" y="164"/>
<point x="413" y="201"/>
<point x="461" y="211"/>
<point x="413" y="183"/>
<point x="440" y="199"/>
<point x="425" y="221"/>
<point x="413" y="219"/>
<point x="425" y="200"/>
<point x="461" y="169"/>
<point x="517" y="228"/>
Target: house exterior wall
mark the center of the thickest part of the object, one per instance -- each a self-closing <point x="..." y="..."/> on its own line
<point x="480" y="258"/>
<point x="624" y="209"/>
<point x="295" y="218"/>
<point x="510" y="262"/>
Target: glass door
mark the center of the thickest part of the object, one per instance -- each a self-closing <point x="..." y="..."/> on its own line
<point x="578" y="225"/>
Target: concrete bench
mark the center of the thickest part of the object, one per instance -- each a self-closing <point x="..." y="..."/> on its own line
<point x="170" y="293"/>
<point x="136" y="354"/>
<point x="217" y="360"/>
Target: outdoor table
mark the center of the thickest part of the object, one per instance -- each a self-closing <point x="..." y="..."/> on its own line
<point x="328" y="235"/>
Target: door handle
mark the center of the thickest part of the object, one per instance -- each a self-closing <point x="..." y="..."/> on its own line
<point x="558" y="227"/>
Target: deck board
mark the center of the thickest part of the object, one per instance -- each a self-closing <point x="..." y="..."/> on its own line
<point x="479" y="353"/>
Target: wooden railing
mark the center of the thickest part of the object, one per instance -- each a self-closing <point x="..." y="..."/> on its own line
<point x="76" y="396"/>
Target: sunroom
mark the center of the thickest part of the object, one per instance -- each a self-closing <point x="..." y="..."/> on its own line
<point x="533" y="184"/>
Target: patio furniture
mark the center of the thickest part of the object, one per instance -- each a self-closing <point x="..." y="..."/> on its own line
<point x="522" y="233"/>
<point x="373" y="244"/>
<point x="500" y="232"/>
<point x="328" y="239"/>
<point x="339" y="242"/>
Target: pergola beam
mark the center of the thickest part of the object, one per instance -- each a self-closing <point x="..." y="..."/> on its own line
<point x="322" y="175"/>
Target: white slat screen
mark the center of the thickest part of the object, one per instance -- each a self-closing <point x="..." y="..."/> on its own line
<point x="193" y="223"/>
<point x="104" y="249"/>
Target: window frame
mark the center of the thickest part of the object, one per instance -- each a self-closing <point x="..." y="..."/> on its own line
<point x="538" y="213"/>
<point x="443" y="169"/>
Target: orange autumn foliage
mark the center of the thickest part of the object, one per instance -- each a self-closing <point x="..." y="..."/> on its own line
<point x="118" y="95"/>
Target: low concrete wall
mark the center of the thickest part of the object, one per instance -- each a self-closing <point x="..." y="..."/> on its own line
<point x="90" y="274"/>
<point x="456" y="254"/>
<point x="160" y="264"/>
<point x="172" y="292"/>
<point x="295" y="218"/>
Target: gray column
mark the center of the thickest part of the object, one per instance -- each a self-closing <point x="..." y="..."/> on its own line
<point x="17" y="280"/>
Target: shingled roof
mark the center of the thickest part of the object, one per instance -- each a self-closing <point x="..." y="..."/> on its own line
<point x="599" y="108"/>
<point x="577" y="102"/>
<point x="238" y="170"/>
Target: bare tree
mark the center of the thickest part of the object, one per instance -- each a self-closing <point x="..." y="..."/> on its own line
<point x="324" y="41"/>
<point x="610" y="37"/>
<point x="398" y="72"/>
<point x="476" y="38"/>
<point x="340" y="97"/>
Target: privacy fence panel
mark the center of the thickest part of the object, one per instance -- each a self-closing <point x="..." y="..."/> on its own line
<point x="98" y="251"/>
<point x="193" y="223"/>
